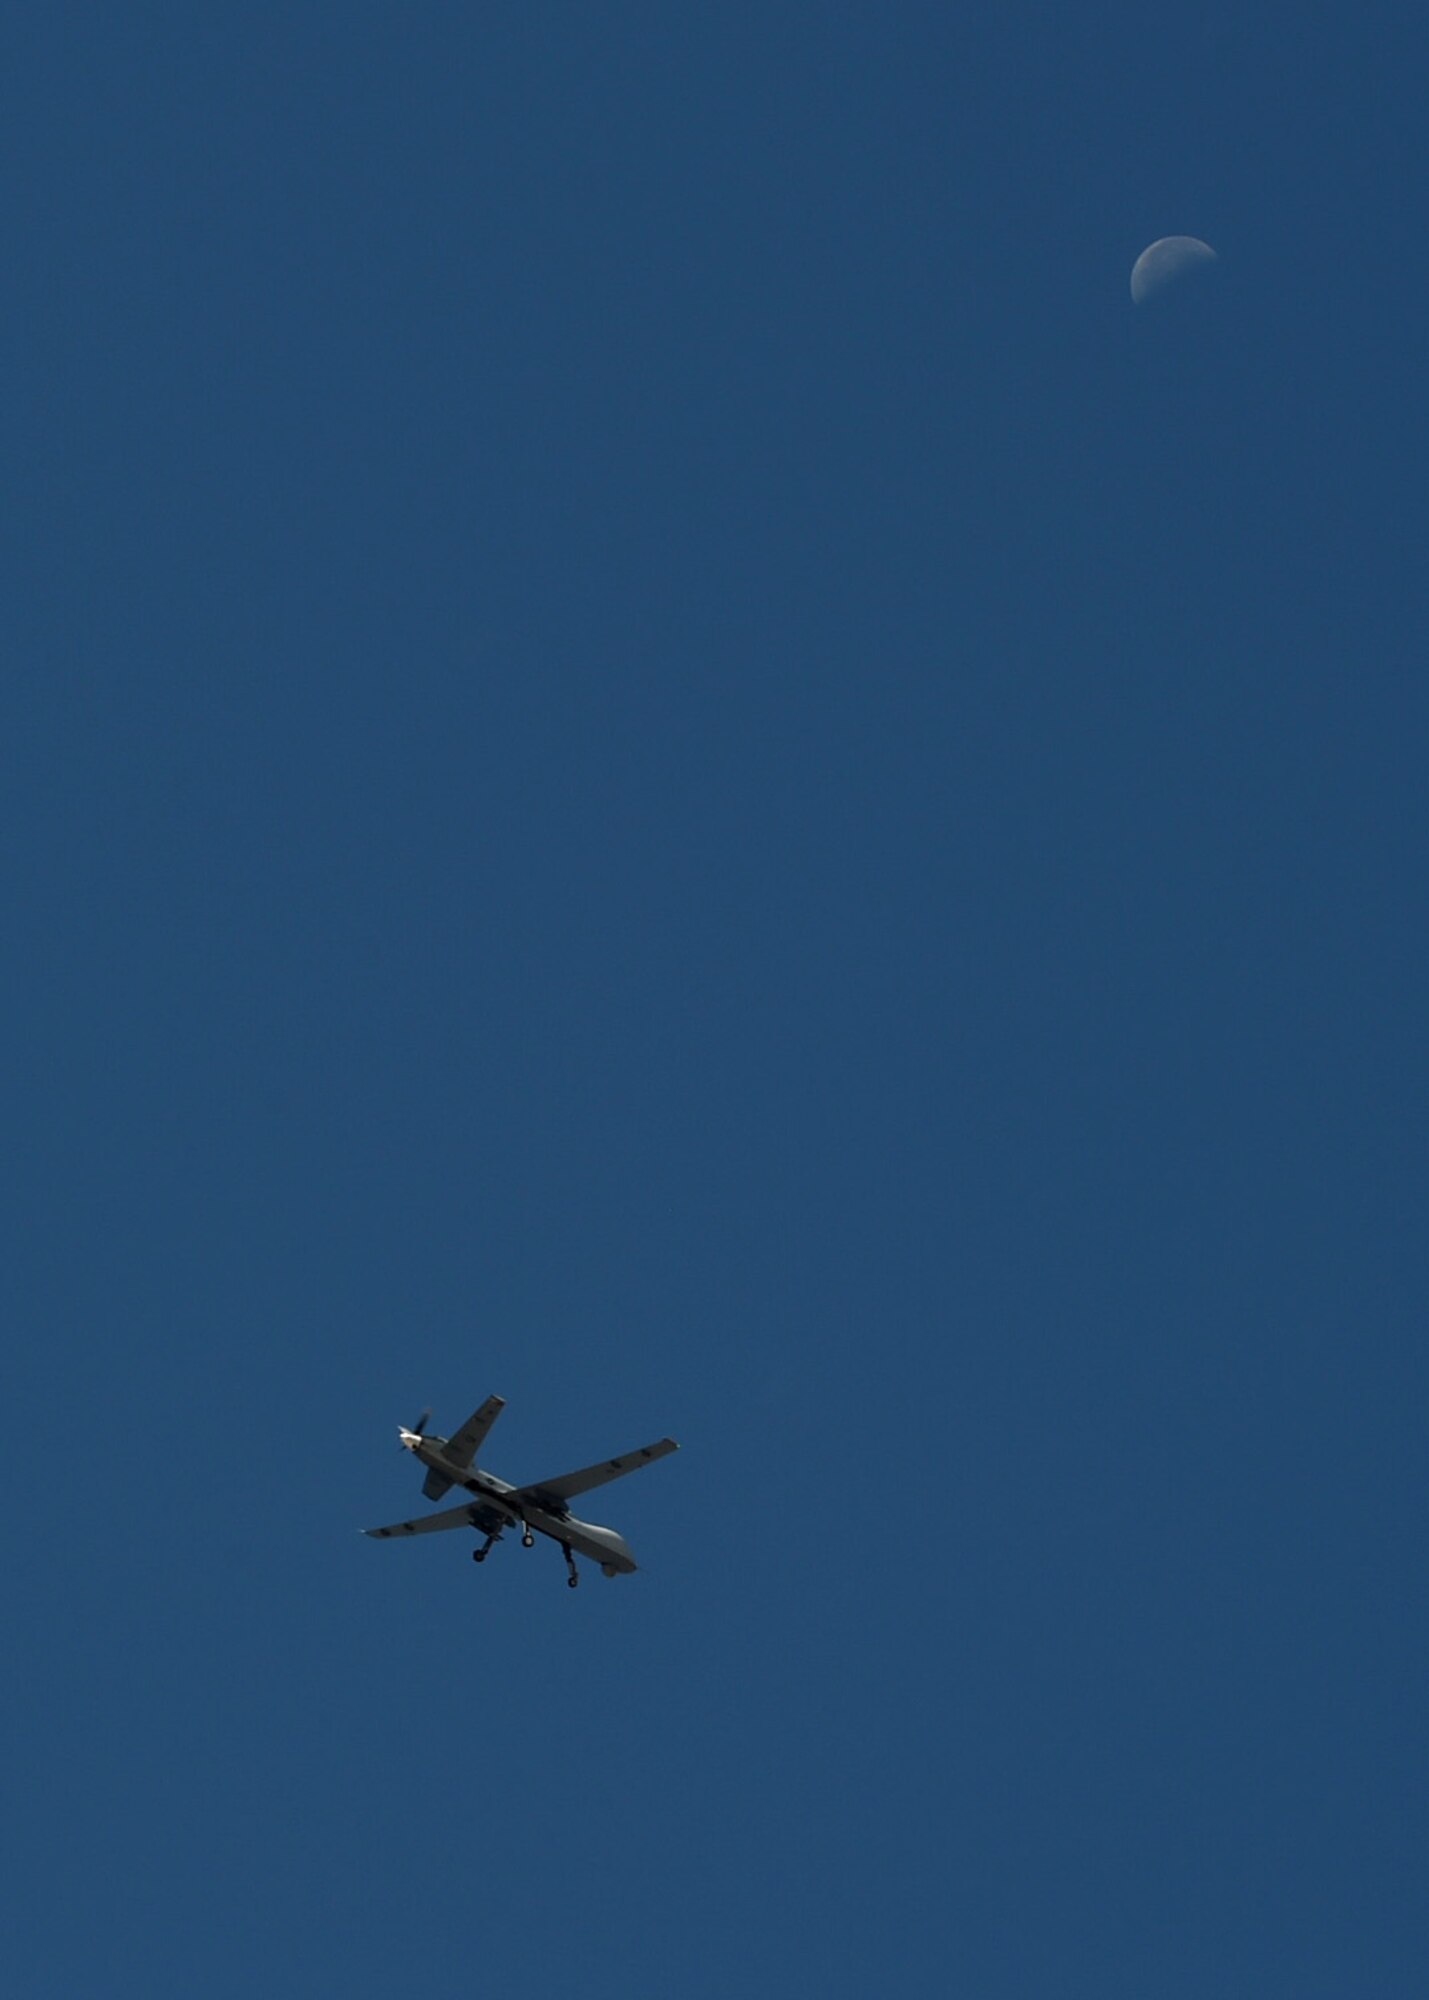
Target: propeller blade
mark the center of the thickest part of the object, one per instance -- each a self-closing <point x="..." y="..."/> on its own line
<point x="419" y="1429"/>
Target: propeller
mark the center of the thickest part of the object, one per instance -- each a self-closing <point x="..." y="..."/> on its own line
<point x="419" y="1429"/>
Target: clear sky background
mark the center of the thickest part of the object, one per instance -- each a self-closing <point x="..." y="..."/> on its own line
<point x="659" y="757"/>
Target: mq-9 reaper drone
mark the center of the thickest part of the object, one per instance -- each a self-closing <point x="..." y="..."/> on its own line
<point x="493" y="1506"/>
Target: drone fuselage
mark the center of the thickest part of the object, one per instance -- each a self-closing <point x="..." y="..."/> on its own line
<point x="497" y="1504"/>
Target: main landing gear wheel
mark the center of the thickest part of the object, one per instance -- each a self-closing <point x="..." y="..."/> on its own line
<point x="528" y="1540"/>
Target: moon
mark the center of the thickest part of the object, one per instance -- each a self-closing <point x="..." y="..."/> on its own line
<point x="1165" y="260"/>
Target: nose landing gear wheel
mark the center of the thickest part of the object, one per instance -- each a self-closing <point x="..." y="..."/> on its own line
<point x="478" y="1555"/>
<point x="575" y="1576"/>
<point x="572" y="1580"/>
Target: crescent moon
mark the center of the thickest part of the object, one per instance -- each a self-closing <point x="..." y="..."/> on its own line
<point x="1164" y="260"/>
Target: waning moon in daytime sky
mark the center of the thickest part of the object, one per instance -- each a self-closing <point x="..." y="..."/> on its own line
<point x="1166" y="259"/>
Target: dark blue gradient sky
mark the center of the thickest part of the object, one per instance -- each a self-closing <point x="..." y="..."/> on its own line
<point x="659" y="757"/>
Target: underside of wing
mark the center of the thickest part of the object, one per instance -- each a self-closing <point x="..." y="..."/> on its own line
<point x="467" y="1516"/>
<point x="462" y="1448"/>
<point x="552" y="1494"/>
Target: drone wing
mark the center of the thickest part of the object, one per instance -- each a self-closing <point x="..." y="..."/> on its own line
<point x="428" y="1524"/>
<point x="462" y="1448"/>
<point x="572" y="1483"/>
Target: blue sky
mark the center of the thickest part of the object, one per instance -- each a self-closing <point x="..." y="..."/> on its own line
<point x="660" y="758"/>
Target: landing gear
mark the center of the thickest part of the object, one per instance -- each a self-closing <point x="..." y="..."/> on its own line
<point x="575" y="1576"/>
<point x="528" y="1540"/>
<point x="480" y="1555"/>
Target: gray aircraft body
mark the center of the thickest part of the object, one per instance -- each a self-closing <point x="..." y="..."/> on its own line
<point x="492" y="1505"/>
